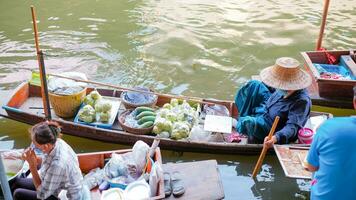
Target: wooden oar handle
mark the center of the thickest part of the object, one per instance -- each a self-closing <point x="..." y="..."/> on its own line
<point x="264" y="150"/>
<point x="34" y="21"/>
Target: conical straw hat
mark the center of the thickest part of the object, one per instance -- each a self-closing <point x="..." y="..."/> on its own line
<point x="286" y="75"/>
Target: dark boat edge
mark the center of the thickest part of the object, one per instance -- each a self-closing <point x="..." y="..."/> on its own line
<point x="122" y="137"/>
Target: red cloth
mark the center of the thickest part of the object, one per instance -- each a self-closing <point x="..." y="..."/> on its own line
<point x="331" y="59"/>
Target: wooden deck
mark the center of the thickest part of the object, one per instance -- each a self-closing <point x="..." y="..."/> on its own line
<point x="201" y="180"/>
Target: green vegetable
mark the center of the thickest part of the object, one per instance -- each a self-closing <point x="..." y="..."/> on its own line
<point x="145" y="113"/>
<point x="156" y="130"/>
<point x="89" y="101"/>
<point x="146" y="124"/>
<point x="174" y="102"/>
<point x="95" y="95"/>
<point x="143" y="108"/>
<point x="162" y="124"/>
<point x="167" y="106"/>
<point x="164" y="134"/>
<point x="180" y="130"/>
<point x="171" y="116"/>
<point x="104" y="116"/>
<point x="87" y="114"/>
<point x="102" y="106"/>
<point x="146" y="119"/>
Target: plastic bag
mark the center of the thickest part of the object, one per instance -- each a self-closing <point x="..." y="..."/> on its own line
<point x="199" y="134"/>
<point x="62" y="86"/>
<point x="139" y="152"/>
<point x="216" y="109"/>
<point x="93" y="178"/>
<point x="115" y="167"/>
<point x="138" y="97"/>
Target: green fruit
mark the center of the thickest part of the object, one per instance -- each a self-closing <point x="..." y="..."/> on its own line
<point x="145" y="113"/>
<point x="95" y="95"/>
<point x="146" y="119"/>
<point x="143" y="108"/>
<point x="104" y="116"/>
<point x="146" y="124"/>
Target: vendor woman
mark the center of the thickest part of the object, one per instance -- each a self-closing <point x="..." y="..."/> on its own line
<point x="59" y="168"/>
<point x="281" y="93"/>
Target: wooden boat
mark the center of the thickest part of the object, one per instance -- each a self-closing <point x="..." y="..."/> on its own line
<point x="89" y="161"/>
<point x="25" y="106"/>
<point x="328" y="92"/>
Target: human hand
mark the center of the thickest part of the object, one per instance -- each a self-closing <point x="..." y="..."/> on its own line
<point x="30" y="156"/>
<point x="269" y="143"/>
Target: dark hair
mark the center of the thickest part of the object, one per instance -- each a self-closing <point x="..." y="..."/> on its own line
<point x="46" y="132"/>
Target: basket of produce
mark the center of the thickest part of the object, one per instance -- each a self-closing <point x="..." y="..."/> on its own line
<point x="132" y="99"/>
<point x="66" y="95"/>
<point x="138" y="121"/>
<point x="66" y="105"/>
<point x="97" y="110"/>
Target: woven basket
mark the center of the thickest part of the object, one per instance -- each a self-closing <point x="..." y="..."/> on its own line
<point x="137" y="131"/>
<point x="66" y="106"/>
<point x="129" y="105"/>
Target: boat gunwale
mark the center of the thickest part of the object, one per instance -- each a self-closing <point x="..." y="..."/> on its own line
<point x="119" y="136"/>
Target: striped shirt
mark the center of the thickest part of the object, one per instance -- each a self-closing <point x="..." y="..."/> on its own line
<point x="60" y="171"/>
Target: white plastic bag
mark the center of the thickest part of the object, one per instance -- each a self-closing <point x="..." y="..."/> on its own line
<point x="139" y="153"/>
<point x="116" y="166"/>
<point x="63" y="86"/>
<point x="199" y="134"/>
<point x="93" y="178"/>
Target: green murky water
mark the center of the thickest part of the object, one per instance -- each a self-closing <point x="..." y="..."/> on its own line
<point x="201" y="48"/>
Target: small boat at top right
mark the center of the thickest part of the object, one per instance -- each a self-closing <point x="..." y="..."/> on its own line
<point x="334" y="75"/>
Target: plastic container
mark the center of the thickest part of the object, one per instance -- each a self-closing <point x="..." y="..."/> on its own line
<point x="305" y="136"/>
<point x="138" y="190"/>
<point x="115" y="102"/>
<point x="66" y="105"/>
<point x="112" y="194"/>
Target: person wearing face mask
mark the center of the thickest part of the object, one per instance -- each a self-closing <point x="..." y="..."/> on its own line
<point x="281" y="93"/>
<point x="59" y="167"/>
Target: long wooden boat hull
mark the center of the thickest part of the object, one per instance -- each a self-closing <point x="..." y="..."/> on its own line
<point x="26" y="106"/>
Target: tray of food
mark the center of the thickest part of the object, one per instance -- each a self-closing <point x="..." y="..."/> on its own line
<point x="99" y="111"/>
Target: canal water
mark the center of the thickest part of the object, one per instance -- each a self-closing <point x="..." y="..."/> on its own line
<point x="201" y="48"/>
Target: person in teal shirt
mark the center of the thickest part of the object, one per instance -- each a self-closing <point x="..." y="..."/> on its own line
<point x="332" y="158"/>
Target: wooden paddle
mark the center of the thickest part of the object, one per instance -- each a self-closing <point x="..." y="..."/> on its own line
<point x="44" y="89"/>
<point x="322" y="26"/>
<point x="264" y="150"/>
